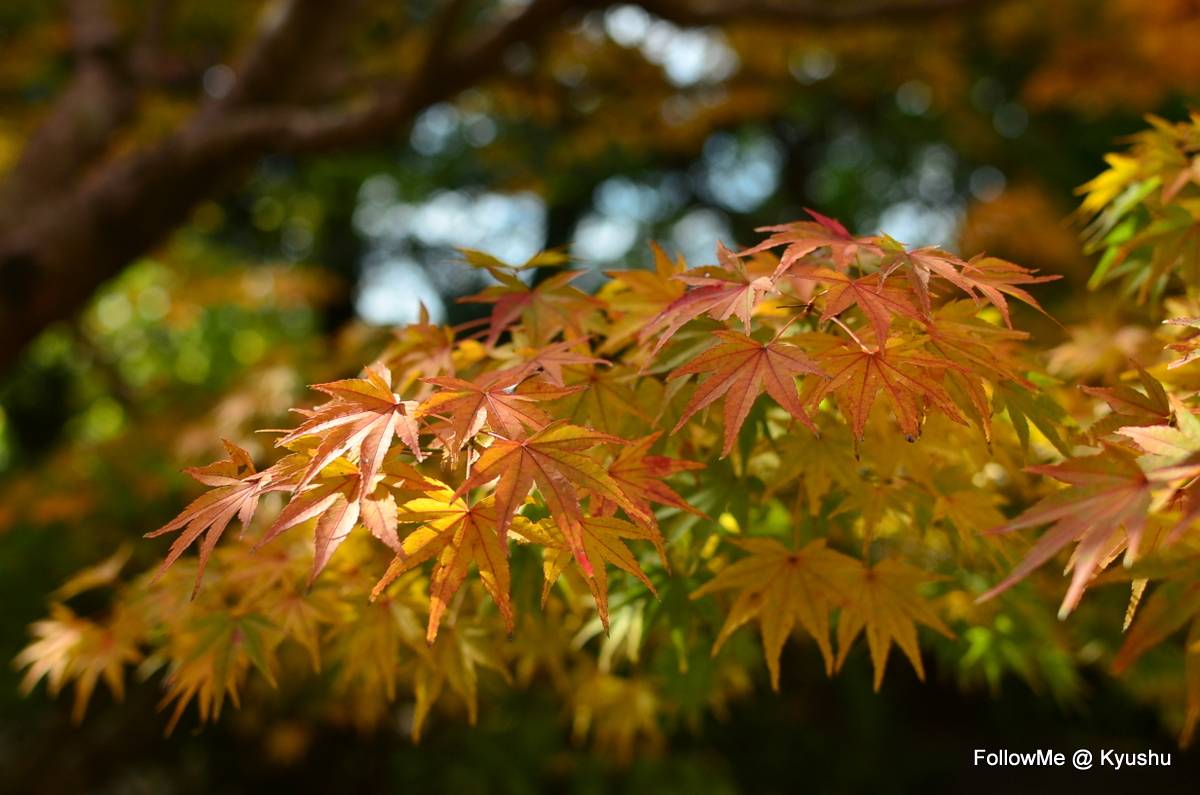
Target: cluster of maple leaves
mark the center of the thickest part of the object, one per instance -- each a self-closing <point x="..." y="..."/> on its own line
<point x="1136" y="491"/>
<point x="524" y="416"/>
<point x="662" y="426"/>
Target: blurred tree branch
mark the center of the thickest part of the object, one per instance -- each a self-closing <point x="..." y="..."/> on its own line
<point x="96" y="101"/>
<point x="75" y="209"/>
<point x="710" y="12"/>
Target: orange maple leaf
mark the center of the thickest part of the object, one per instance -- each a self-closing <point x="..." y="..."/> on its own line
<point x="878" y="298"/>
<point x="636" y="296"/>
<point x="741" y="368"/>
<point x="642" y="477"/>
<point x="491" y="401"/>
<point x="859" y="375"/>
<point x="236" y="488"/>
<point x="554" y="460"/>
<point x="545" y="310"/>
<point x="458" y="535"/>
<point x="363" y="417"/>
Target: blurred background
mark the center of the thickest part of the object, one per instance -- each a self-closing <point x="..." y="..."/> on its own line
<point x="205" y="206"/>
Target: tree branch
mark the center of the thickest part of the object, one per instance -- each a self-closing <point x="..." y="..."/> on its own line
<point x="294" y="41"/>
<point x="80" y="232"/>
<point x="96" y="102"/>
<point x="825" y="12"/>
<point x="440" y="34"/>
<point x="131" y="204"/>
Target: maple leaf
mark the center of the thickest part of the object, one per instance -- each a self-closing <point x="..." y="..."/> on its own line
<point x="337" y="501"/>
<point x="982" y="348"/>
<point x="222" y="647"/>
<point x="858" y="375"/>
<point x="995" y="278"/>
<point x="503" y="271"/>
<point x="1132" y="406"/>
<point x="634" y="297"/>
<point x="550" y="360"/>
<point x="621" y="715"/>
<point x="67" y="647"/>
<point x="545" y="310"/>
<point x="603" y="541"/>
<point x="781" y="588"/>
<point x="741" y="368"/>
<point x="1161" y="441"/>
<point x="236" y="488"/>
<point x="334" y="500"/>
<point x="301" y="615"/>
<point x="1172" y="459"/>
<point x="490" y="400"/>
<point x="1025" y="406"/>
<point x="719" y="292"/>
<point x="878" y="298"/>
<point x="981" y="278"/>
<point x="1169" y="242"/>
<point x="873" y="503"/>
<point x="921" y="265"/>
<point x="605" y="398"/>
<point x="420" y="349"/>
<point x="453" y="664"/>
<point x="378" y="513"/>
<point x="1189" y="347"/>
<point x="642" y="478"/>
<point x="1104" y="510"/>
<point x="821" y="463"/>
<point x="802" y="238"/>
<point x="362" y="418"/>
<point x="883" y="600"/>
<point x="459" y="536"/>
<point x="553" y="459"/>
<point x="963" y="345"/>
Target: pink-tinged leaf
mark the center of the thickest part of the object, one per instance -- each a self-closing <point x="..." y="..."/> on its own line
<point x="378" y="513"/>
<point x="1105" y="510"/>
<point x="237" y="487"/>
<point x="361" y="419"/>
<point x="332" y="528"/>
<point x="312" y="502"/>
<point x="802" y="239"/>
<point x="720" y="293"/>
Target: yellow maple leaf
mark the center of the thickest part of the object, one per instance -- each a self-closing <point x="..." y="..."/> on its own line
<point x="883" y="600"/>
<point x="782" y="587"/>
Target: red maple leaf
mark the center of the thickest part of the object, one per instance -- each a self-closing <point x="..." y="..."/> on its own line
<point x="859" y="375"/>
<point x="802" y="238"/>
